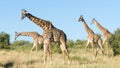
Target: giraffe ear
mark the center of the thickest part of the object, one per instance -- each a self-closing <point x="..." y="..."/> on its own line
<point x="81" y="15"/>
<point x="23" y="10"/>
<point x="16" y="32"/>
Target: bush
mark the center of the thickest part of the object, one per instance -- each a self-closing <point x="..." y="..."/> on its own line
<point x="114" y="41"/>
<point x="56" y="47"/>
<point x="19" y="45"/>
<point x="23" y="45"/>
<point x="4" y="40"/>
<point x="79" y="43"/>
<point x="70" y="43"/>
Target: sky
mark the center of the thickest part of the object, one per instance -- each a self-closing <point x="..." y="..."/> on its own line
<point x="63" y="14"/>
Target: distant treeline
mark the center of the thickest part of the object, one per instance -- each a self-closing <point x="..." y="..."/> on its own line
<point x="23" y="45"/>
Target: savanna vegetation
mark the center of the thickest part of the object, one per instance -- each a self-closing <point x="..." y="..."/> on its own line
<point x="16" y="54"/>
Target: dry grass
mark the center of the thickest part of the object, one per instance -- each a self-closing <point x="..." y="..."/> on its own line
<point x="14" y="59"/>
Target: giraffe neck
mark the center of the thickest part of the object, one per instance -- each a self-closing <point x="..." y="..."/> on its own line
<point x="30" y="34"/>
<point x="88" y="30"/>
<point x="40" y="22"/>
<point x="101" y="28"/>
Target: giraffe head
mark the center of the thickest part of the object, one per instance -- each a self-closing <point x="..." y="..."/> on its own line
<point x="93" y="21"/>
<point x="16" y="35"/>
<point x="81" y="18"/>
<point x="24" y="14"/>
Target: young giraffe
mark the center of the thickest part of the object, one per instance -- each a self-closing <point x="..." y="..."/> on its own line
<point x="50" y="33"/>
<point x="106" y="33"/>
<point x="92" y="37"/>
<point x="37" y="38"/>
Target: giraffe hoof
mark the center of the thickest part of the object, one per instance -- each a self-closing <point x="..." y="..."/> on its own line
<point x="63" y="62"/>
<point x="44" y="63"/>
<point x="51" y="63"/>
<point x="69" y="62"/>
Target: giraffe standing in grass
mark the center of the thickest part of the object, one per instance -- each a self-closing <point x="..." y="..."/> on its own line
<point x="50" y="33"/>
<point x="91" y="37"/>
<point x="37" y="39"/>
<point x="106" y="33"/>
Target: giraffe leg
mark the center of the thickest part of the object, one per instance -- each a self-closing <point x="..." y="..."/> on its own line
<point x="64" y="49"/>
<point x="50" y="53"/>
<point x="31" y="51"/>
<point x="86" y="48"/>
<point x="100" y="45"/>
<point x="66" y="52"/>
<point x="107" y="48"/>
<point x="96" y="51"/>
<point x="45" y="54"/>
<point x="63" y="53"/>
<point x="36" y="45"/>
<point x="103" y="42"/>
<point x="47" y="49"/>
<point x="92" y="46"/>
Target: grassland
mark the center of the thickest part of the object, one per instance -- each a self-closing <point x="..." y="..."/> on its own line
<point x="20" y="59"/>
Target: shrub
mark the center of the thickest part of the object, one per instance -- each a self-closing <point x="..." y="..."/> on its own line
<point x="79" y="43"/>
<point x="70" y="43"/>
<point x="4" y="40"/>
<point x="114" y="41"/>
<point x="23" y="45"/>
<point x="20" y="45"/>
<point x="56" y="48"/>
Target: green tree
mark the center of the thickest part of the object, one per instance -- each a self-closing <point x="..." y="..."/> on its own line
<point x="4" y="40"/>
<point x="114" y="41"/>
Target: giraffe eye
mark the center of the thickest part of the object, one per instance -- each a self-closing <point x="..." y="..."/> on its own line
<point x="23" y="14"/>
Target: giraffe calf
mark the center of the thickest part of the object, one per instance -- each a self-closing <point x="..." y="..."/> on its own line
<point x="37" y="39"/>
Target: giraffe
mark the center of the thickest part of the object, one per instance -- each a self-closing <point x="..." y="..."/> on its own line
<point x="92" y="38"/>
<point x="106" y="33"/>
<point x="50" y="33"/>
<point x="37" y="38"/>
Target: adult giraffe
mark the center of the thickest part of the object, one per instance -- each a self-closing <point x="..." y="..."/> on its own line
<point x="91" y="37"/>
<point x="50" y="33"/>
<point x="106" y="33"/>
